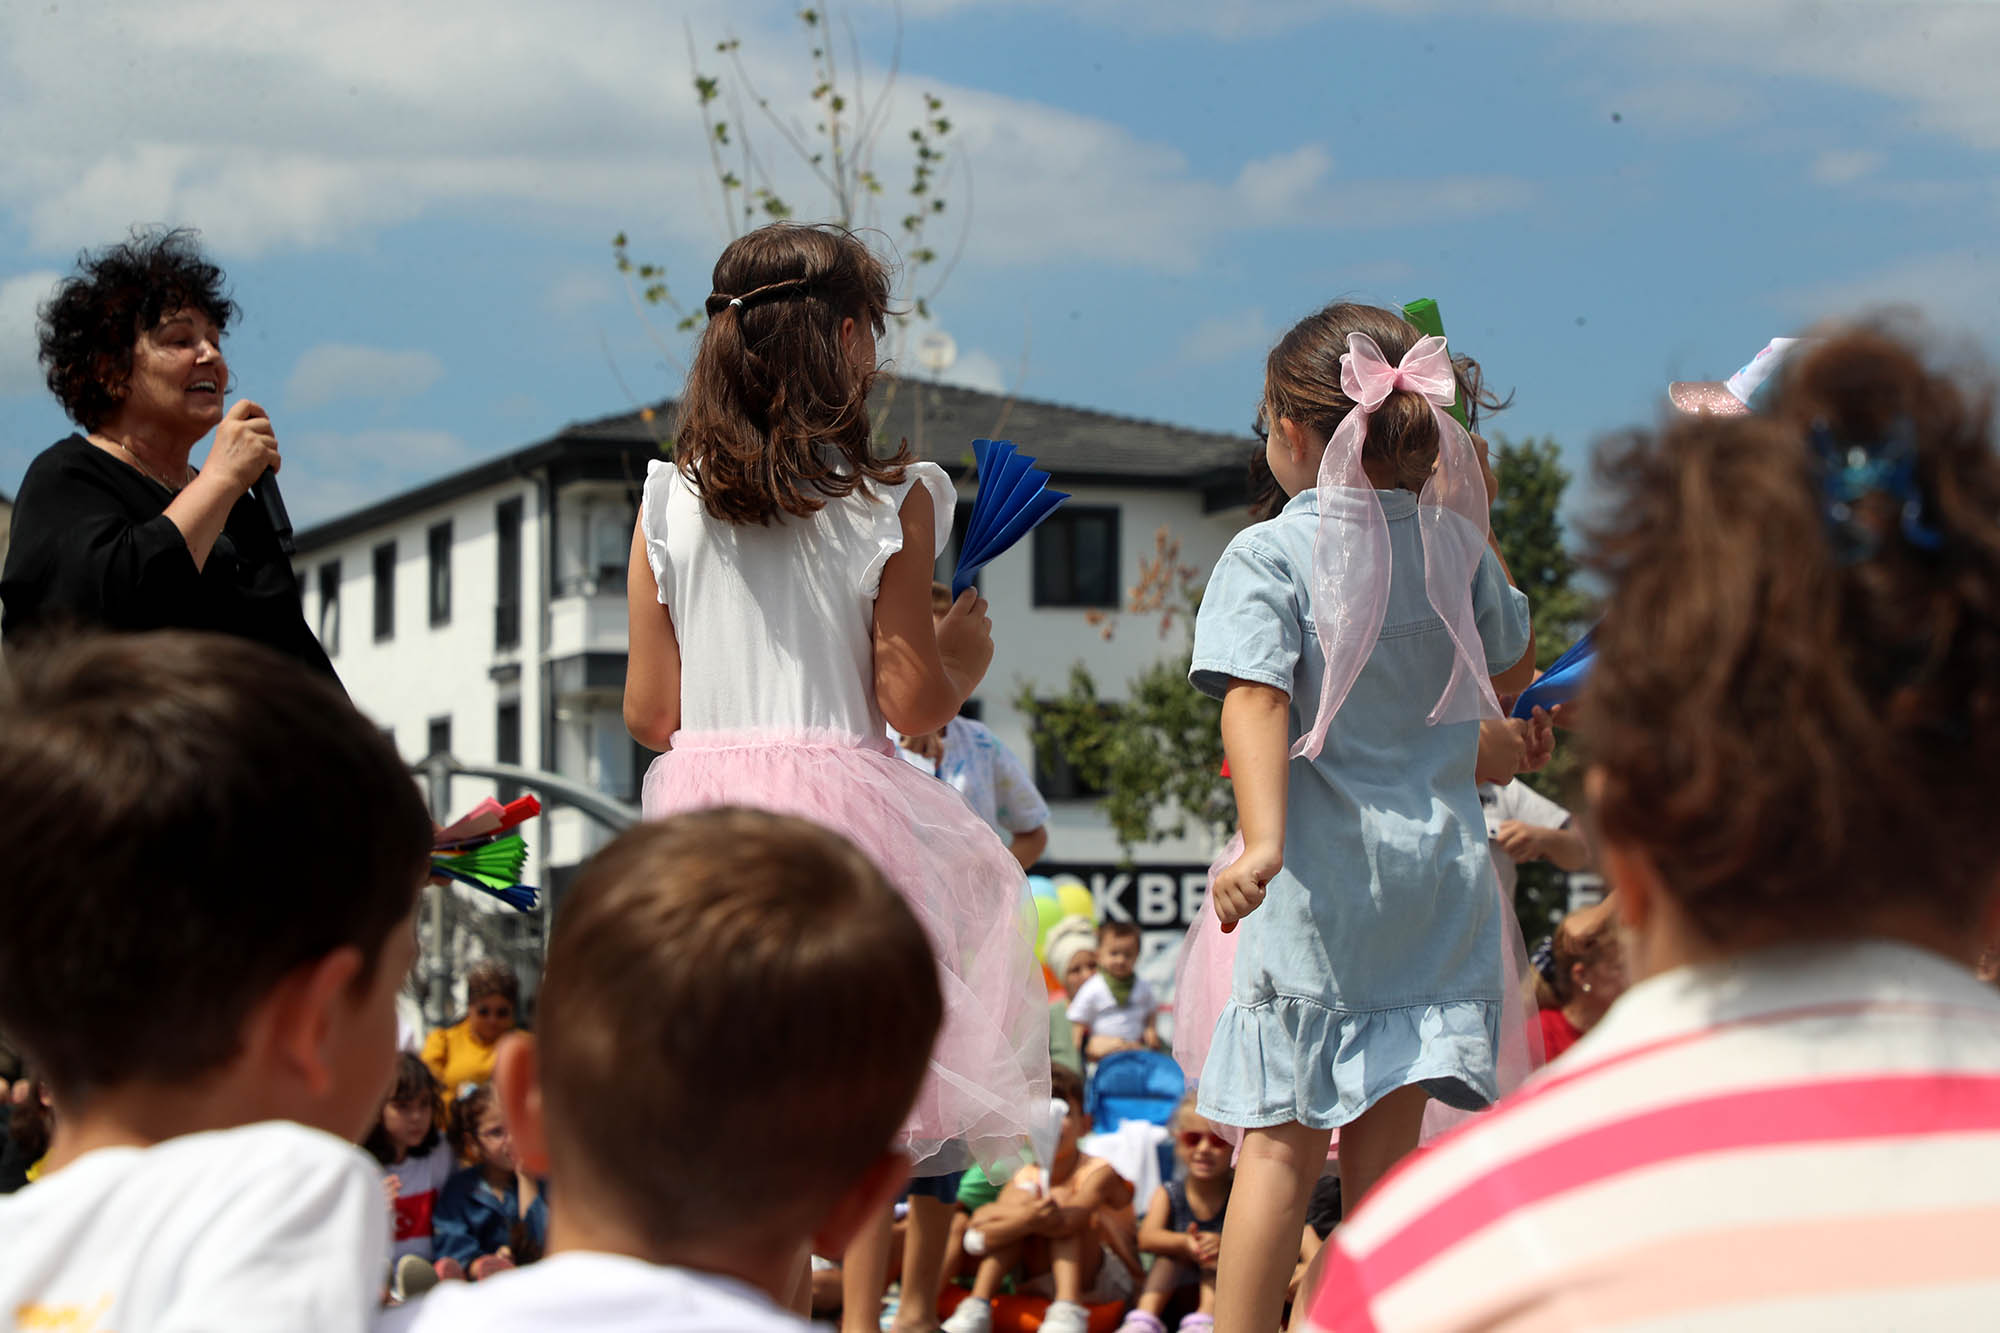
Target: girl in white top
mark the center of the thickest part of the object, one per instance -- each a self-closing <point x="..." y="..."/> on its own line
<point x="780" y="621"/>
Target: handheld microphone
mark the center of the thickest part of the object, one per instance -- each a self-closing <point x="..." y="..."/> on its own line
<point x="274" y="510"/>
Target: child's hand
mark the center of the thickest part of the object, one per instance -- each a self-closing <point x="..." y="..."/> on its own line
<point x="1502" y="751"/>
<point x="1206" y="1249"/>
<point x="965" y="638"/>
<point x="1486" y="469"/>
<point x="1522" y="842"/>
<point x="391" y="1187"/>
<point x="1539" y="732"/>
<point x="1239" y="889"/>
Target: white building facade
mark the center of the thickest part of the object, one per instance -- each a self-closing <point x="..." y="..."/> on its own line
<point x="483" y="615"/>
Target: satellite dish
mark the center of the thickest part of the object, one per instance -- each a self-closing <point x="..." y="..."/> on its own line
<point x="936" y="351"/>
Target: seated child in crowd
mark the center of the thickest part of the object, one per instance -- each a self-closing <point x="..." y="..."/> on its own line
<point x="1114" y="1010"/>
<point x="201" y="957"/>
<point x="709" y="976"/>
<point x="416" y="1162"/>
<point x="1055" y="1227"/>
<point x="1182" y="1228"/>
<point x="490" y="1215"/>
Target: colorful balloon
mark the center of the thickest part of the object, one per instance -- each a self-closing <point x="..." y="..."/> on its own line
<point x="1076" y="900"/>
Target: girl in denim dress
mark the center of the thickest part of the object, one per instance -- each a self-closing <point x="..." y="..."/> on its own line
<point x="1355" y="640"/>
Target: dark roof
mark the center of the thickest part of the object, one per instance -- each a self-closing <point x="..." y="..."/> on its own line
<point x="1078" y="447"/>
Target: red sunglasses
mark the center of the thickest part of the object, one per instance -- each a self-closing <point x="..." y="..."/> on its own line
<point x="1193" y="1138"/>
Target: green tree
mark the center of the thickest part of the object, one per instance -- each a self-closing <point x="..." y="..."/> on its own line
<point x="1527" y="526"/>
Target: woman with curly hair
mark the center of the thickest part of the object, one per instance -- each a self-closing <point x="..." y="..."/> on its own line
<point x="113" y="528"/>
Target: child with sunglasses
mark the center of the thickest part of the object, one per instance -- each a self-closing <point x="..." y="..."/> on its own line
<point x="1182" y="1229"/>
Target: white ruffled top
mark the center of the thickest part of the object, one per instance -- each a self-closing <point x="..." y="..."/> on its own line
<point x="776" y="623"/>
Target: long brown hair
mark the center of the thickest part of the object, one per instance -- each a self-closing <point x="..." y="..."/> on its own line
<point x="774" y="420"/>
<point x="1798" y="740"/>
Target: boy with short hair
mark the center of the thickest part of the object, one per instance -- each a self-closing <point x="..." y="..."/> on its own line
<point x="212" y="865"/>
<point x="735" y="1019"/>
<point x="1115" y="1010"/>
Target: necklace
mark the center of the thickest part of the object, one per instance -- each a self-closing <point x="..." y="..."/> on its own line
<point x="140" y="463"/>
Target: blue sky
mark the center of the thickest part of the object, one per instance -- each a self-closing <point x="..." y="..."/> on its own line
<point x="414" y="203"/>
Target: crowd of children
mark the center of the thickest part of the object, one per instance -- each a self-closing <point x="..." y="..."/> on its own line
<point x="798" y="997"/>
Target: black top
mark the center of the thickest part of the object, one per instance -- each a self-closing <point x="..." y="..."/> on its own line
<point x="92" y="545"/>
<point x="1181" y="1214"/>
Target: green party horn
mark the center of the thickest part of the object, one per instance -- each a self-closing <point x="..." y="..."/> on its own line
<point x="1424" y="314"/>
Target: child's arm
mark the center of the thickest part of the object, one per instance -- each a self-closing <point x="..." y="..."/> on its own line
<point x="1154" y="1238"/>
<point x="1081" y="1031"/>
<point x="653" y="666"/>
<point x="1254" y="736"/>
<point x="1019" y="1211"/>
<point x="1150" y="1038"/>
<point x="924" y="672"/>
<point x="1528" y="842"/>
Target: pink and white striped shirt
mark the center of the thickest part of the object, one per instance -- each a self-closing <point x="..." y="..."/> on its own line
<point x="1806" y="1137"/>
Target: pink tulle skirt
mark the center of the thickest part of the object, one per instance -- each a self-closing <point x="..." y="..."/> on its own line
<point x="989" y="1075"/>
<point x="1206" y="971"/>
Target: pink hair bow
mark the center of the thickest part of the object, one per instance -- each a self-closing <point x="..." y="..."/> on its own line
<point x="1351" y="556"/>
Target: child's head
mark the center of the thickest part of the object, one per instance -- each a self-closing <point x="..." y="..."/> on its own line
<point x="1071" y="951"/>
<point x="774" y="418"/>
<point x="1588" y="960"/>
<point x="408" y="1121"/>
<point x="492" y="1000"/>
<point x="1118" y="948"/>
<point x="479" y="1133"/>
<point x="1303" y="399"/>
<point x="1203" y="1152"/>
<point x="736" y="1015"/>
<point x="1795" y="711"/>
<point x="236" y="852"/>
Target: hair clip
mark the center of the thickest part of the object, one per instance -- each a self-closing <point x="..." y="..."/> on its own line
<point x="1850" y="471"/>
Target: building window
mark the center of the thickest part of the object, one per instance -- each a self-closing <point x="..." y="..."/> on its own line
<point x="507" y="743"/>
<point x="329" y="607"/>
<point x="439" y="736"/>
<point x="1076" y="558"/>
<point x="439" y="541"/>
<point x="385" y="591"/>
<point x="594" y="544"/>
<point x="507" y="604"/>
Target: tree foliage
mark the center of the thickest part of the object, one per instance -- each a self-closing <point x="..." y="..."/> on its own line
<point x="1527" y="526"/>
<point x="746" y="138"/>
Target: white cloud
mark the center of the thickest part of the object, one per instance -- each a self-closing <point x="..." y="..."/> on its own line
<point x="330" y="472"/>
<point x="1957" y="291"/>
<point x="1227" y="338"/>
<point x="975" y="369"/>
<point x="20" y="295"/>
<point x="578" y="291"/>
<point x="342" y="372"/>
<point x="334" y="122"/>
<point x="1838" y="166"/>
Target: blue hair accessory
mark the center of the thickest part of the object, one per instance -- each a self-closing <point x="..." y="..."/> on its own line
<point x="1850" y="471"/>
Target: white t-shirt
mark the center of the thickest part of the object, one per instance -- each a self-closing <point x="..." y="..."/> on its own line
<point x="261" y="1227"/>
<point x="1517" y="801"/>
<point x="991" y="777"/>
<point x="418" y="1180"/>
<point x="608" y="1293"/>
<point x="1105" y="1017"/>
<point x="776" y="623"/>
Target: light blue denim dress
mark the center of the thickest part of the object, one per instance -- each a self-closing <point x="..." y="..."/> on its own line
<point x="1374" y="961"/>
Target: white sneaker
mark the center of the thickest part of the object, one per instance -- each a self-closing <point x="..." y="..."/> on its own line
<point x="972" y="1316"/>
<point x="1066" y="1317"/>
